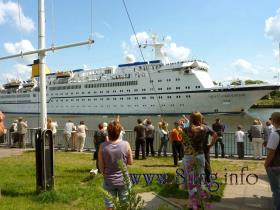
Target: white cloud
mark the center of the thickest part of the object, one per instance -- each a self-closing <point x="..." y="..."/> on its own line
<point x="17" y="71"/>
<point x="276" y="53"/>
<point x="243" y="66"/>
<point x="169" y="50"/>
<point x="175" y="53"/>
<point x="10" y="12"/>
<point x="274" y="69"/>
<point x="99" y="35"/>
<point x="24" y="46"/>
<point x="272" y="27"/>
<point x="142" y="37"/>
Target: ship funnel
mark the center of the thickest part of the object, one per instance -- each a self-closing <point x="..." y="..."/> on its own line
<point x="35" y="68"/>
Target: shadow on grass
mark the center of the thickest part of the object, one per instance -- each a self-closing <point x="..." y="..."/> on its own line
<point x="77" y="170"/>
<point x="14" y="193"/>
<point x="159" y="165"/>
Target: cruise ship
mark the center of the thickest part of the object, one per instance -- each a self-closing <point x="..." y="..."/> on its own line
<point x="147" y="88"/>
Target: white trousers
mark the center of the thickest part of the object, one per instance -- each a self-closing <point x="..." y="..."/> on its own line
<point x="257" y="147"/>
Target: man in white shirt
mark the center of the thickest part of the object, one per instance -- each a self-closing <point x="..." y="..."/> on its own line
<point x="239" y="138"/>
<point x="272" y="162"/>
<point x="68" y="128"/>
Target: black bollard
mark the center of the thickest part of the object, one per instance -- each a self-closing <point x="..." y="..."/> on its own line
<point x="44" y="160"/>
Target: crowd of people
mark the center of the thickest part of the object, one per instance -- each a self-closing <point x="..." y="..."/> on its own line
<point x="189" y="139"/>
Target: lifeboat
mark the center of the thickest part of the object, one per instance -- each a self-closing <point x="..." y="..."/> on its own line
<point x="13" y="84"/>
<point x="63" y="74"/>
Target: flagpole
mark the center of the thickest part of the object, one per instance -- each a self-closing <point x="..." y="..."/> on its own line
<point x="42" y="64"/>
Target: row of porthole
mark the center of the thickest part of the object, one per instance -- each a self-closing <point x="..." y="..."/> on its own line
<point x="114" y="91"/>
<point x="114" y="99"/>
<point x="102" y="106"/>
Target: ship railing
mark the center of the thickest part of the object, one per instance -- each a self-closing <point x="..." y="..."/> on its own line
<point x="230" y="146"/>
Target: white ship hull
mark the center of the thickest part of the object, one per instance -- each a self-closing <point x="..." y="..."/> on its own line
<point x="145" y="88"/>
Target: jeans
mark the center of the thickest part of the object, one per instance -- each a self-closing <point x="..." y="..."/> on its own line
<point x="163" y="145"/>
<point x="177" y="149"/>
<point x="274" y="180"/>
<point x="140" y="143"/>
<point x="219" y="140"/>
<point x="240" y="149"/>
<point x="150" y="144"/>
<point x="120" y="191"/>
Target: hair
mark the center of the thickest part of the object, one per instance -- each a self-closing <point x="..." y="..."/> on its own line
<point x="195" y="120"/>
<point x="49" y="119"/>
<point x="114" y="130"/>
<point x="217" y="119"/>
<point x="275" y="117"/>
<point x="100" y="126"/>
<point x="255" y="122"/>
<point x="139" y="121"/>
<point x="148" y="122"/>
<point x="82" y="122"/>
<point x="239" y="127"/>
<point x="20" y="119"/>
<point x="268" y="123"/>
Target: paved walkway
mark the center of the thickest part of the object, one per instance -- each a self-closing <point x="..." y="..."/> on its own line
<point x="6" y="151"/>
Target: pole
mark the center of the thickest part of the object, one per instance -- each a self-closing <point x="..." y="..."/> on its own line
<point x="42" y="64"/>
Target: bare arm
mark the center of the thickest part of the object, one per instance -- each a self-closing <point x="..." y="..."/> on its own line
<point x="129" y="158"/>
<point x="213" y="140"/>
<point x="270" y="156"/>
<point x="100" y="160"/>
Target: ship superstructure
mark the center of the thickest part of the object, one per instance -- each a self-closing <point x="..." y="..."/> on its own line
<point x="154" y="87"/>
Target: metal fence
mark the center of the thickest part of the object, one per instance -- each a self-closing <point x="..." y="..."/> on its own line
<point x="228" y="139"/>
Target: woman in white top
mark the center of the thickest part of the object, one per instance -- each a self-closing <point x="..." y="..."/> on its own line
<point x="239" y="138"/>
<point x="81" y="136"/>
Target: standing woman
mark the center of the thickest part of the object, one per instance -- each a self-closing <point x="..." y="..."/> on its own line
<point x="256" y="131"/>
<point x="22" y="130"/>
<point x="81" y="135"/>
<point x="194" y="160"/>
<point x="108" y="156"/>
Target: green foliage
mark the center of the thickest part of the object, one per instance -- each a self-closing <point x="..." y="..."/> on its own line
<point x="253" y="82"/>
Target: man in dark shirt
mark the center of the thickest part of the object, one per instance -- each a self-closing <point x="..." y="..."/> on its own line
<point x="219" y="128"/>
<point x="206" y="150"/>
<point x="140" y="139"/>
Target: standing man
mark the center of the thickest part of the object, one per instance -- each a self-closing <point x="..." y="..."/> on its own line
<point x="140" y="139"/>
<point x="272" y="162"/>
<point x="219" y="128"/>
<point x="99" y="137"/>
<point x="206" y="149"/>
<point x="239" y="138"/>
<point x="68" y="128"/>
<point x="150" y="133"/>
<point x="176" y="137"/>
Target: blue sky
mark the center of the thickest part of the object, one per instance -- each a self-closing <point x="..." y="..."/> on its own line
<point x="238" y="39"/>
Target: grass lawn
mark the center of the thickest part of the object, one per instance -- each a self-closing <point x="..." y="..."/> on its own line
<point x="76" y="189"/>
